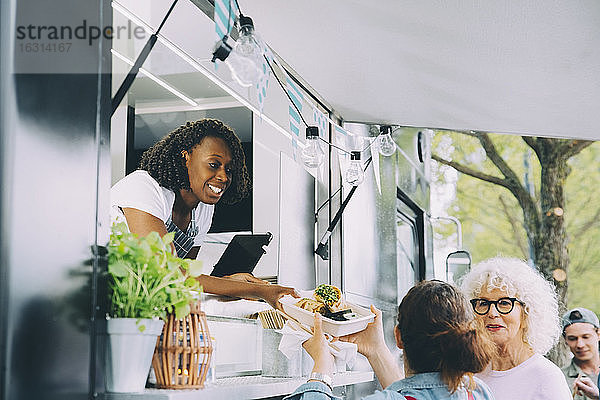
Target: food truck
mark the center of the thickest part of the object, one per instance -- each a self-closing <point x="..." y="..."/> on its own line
<point x="90" y="87"/>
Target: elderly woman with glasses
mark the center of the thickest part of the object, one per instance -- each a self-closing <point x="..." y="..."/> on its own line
<point x="518" y="308"/>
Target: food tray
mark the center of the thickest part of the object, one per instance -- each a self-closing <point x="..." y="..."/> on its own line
<point x="334" y="328"/>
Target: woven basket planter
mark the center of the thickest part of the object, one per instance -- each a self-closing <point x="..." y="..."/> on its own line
<point x="183" y="352"/>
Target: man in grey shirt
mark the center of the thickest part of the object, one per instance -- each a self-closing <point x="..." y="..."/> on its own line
<point x="581" y="333"/>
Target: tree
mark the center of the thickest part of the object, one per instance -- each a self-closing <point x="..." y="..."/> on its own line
<point x="543" y="213"/>
<point x="583" y="229"/>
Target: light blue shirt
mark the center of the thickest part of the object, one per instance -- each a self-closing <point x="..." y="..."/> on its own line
<point x="425" y="386"/>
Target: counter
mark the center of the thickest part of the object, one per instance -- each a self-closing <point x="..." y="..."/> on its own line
<point x="238" y="360"/>
<point x="240" y="388"/>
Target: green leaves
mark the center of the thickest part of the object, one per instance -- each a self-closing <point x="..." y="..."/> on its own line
<point x="145" y="279"/>
<point x="119" y="269"/>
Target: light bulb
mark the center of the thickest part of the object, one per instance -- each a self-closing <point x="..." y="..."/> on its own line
<point x="313" y="154"/>
<point x="387" y="146"/>
<point x="245" y="60"/>
<point x="354" y="173"/>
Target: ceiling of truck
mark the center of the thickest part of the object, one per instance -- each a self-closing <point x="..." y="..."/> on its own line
<point x="526" y="67"/>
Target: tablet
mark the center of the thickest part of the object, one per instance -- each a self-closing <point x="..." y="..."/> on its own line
<point x="242" y="254"/>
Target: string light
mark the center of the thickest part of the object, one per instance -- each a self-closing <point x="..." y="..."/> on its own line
<point x="385" y="142"/>
<point x="312" y="155"/>
<point x="355" y="174"/>
<point x="245" y="60"/>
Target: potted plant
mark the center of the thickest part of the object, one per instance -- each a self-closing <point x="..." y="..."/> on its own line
<point x="146" y="282"/>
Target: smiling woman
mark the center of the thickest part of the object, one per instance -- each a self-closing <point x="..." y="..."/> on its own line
<point x="518" y="309"/>
<point x="180" y="179"/>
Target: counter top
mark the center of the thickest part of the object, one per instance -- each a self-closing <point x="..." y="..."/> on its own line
<point x="241" y="388"/>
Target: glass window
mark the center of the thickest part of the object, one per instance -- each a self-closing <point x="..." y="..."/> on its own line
<point x="407" y="253"/>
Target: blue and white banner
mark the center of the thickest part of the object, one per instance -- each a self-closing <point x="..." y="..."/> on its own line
<point x="295" y="119"/>
<point x="297" y="99"/>
<point x="263" y="82"/>
<point x="226" y="12"/>
<point x="320" y="120"/>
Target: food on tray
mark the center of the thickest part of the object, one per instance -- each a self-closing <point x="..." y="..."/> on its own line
<point x="346" y="319"/>
<point x="329" y="295"/>
<point x="343" y="315"/>
<point x="310" y="305"/>
<point x="328" y="302"/>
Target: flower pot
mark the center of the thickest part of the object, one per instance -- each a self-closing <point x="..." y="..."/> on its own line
<point x="129" y="350"/>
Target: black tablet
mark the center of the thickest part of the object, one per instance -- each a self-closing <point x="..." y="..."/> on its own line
<point x="242" y="254"/>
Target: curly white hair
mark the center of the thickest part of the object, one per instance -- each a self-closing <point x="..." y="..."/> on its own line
<point x="518" y="279"/>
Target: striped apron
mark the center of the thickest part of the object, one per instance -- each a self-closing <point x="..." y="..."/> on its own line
<point x="184" y="241"/>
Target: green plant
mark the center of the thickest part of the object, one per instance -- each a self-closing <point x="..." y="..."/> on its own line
<point x="145" y="279"/>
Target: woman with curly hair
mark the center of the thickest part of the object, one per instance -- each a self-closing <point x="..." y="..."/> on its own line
<point x="519" y="309"/>
<point x="442" y="350"/>
<point x="180" y="180"/>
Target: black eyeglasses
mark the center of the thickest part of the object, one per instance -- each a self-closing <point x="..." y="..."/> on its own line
<point x="504" y="305"/>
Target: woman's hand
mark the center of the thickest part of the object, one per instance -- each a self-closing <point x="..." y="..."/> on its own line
<point x="371" y="344"/>
<point x="318" y="348"/>
<point x="240" y="287"/>
<point x="245" y="277"/>
<point x="585" y="385"/>
<point x="272" y="293"/>
<point x="371" y="339"/>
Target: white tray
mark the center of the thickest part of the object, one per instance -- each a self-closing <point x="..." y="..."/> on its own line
<point x="334" y="328"/>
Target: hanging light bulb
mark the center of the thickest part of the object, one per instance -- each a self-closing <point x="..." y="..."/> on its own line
<point x="246" y="58"/>
<point x="387" y="146"/>
<point x="355" y="174"/>
<point x="313" y="154"/>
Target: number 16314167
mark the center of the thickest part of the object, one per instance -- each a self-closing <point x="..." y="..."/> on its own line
<point x="61" y="47"/>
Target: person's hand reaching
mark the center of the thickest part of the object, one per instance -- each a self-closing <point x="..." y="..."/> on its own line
<point x="245" y="277"/>
<point x="318" y="348"/>
<point x="371" y="344"/>
<point x="272" y="293"/>
<point x="371" y="339"/>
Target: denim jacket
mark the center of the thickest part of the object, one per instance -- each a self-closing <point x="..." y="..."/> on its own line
<point x="425" y="386"/>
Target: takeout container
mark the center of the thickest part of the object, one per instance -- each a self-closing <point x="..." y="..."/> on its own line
<point x="334" y="328"/>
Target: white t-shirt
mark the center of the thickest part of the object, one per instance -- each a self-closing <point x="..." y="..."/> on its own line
<point x="537" y="378"/>
<point x="140" y="191"/>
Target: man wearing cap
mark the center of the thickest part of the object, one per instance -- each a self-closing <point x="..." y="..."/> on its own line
<point x="581" y="333"/>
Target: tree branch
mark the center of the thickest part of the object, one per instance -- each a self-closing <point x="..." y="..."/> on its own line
<point x="511" y="181"/>
<point x="525" y="200"/>
<point x="471" y="172"/>
<point x="531" y="142"/>
<point x="573" y="147"/>
<point x="499" y="162"/>
<point x="534" y="143"/>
